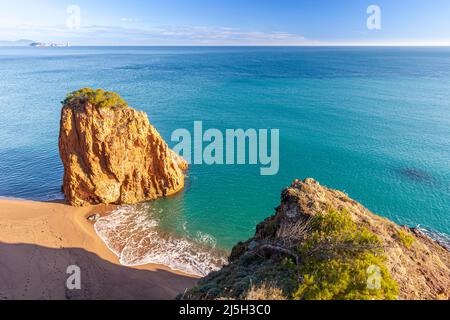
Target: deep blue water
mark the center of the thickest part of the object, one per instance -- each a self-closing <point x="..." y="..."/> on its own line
<point x="373" y="122"/>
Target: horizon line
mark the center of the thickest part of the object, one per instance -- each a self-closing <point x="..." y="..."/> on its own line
<point x="249" y="45"/>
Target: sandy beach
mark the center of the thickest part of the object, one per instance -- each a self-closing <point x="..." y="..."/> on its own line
<point x="38" y="241"/>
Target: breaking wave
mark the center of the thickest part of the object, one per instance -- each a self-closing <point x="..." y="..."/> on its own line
<point x="135" y="237"/>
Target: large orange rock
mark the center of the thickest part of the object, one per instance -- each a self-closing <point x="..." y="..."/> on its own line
<point x="112" y="154"/>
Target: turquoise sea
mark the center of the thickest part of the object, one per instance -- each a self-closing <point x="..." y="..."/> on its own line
<point x="373" y="122"/>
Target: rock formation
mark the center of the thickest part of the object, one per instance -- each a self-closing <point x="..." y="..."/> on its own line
<point x="321" y="244"/>
<point x="112" y="154"/>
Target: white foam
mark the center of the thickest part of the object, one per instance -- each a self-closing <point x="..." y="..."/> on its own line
<point x="134" y="237"/>
<point x="442" y="238"/>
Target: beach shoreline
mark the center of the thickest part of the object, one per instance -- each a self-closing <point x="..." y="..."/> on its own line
<point x="39" y="240"/>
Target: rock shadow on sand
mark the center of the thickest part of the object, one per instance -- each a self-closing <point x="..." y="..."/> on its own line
<point x="35" y="272"/>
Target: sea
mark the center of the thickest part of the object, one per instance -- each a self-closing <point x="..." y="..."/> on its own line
<point x="373" y="122"/>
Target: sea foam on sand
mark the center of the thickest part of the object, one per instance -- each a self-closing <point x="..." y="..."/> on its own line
<point x="134" y="237"/>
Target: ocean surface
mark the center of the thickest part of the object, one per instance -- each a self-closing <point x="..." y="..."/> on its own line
<point x="373" y="122"/>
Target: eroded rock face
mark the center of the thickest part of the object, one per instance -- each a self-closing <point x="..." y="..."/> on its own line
<point x="112" y="154"/>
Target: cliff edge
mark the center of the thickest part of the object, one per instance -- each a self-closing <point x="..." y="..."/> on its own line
<point x="112" y="154"/>
<point x="320" y="244"/>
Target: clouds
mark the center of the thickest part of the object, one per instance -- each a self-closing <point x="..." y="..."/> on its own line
<point x="231" y="22"/>
<point x="221" y="35"/>
<point x="177" y="35"/>
<point x="125" y="19"/>
<point x="158" y="35"/>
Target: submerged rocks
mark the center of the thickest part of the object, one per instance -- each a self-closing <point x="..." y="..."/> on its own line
<point x="112" y="154"/>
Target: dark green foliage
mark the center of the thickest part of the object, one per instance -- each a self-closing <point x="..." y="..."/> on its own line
<point x="235" y="280"/>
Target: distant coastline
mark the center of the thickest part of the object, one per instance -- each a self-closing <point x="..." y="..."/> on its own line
<point x="33" y="43"/>
<point x="48" y="45"/>
<point x="16" y="43"/>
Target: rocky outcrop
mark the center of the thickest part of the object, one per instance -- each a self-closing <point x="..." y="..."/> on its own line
<point x="321" y="244"/>
<point x="112" y="154"/>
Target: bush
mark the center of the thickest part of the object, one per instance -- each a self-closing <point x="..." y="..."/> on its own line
<point x="265" y="292"/>
<point x="336" y="259"/>
<point x="99" y="97"/>
<point x="405" y="238"/>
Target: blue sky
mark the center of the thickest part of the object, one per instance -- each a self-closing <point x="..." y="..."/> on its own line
<point x="229" y="22"/>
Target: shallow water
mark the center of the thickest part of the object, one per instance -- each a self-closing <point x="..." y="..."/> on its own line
<point x="374" y="122"/>
<point x="134" y="234"/>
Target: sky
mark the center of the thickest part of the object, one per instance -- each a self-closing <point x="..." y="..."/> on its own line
<point x="227" y="22"/>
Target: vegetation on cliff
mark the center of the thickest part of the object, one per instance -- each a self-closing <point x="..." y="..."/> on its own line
<point x="405" y="238"/>
<point x="97" y="97"/>
<point x="321" y="244"/>
<point x="336" y="260"/>
<point x="331" y="261"/>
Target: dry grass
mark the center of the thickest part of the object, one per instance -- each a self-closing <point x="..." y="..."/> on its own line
<point x="265" y="292"/>
<point x="291" y="234"/>
<point x="405" y="238"/>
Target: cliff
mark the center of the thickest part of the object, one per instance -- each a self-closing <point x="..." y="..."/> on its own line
<point x="112" y="154"/>
<point x="320" y="244"/>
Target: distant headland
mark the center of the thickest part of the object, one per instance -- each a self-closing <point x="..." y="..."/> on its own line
<point x="16" y="43"/>
<point x="48" y="45"/>
<point x="32" y="43"/>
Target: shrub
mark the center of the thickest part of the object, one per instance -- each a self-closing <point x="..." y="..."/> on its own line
<point x="405" y="238"/>
<point x="99" y="97"/>
<point x="336" y="258"/>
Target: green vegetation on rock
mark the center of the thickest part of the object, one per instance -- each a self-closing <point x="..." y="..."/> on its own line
<point x="336" y="259"/>
<point x="339" y="260"/>
<point x="405" y="238"/>
<point x="320" y="244"/>
<point x="98" y="97"/>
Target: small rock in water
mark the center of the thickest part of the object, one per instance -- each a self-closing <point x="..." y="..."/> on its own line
<point x="94" y="217"/>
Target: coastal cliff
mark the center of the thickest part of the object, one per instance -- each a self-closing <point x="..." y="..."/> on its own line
<point x="320" y="244"/>
<point x="112" y="154"/>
